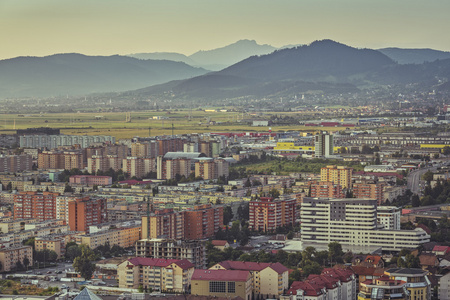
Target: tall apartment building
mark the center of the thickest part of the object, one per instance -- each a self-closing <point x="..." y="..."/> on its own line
<point x="140" y="149"/>
<point x="134" y="166"/>
<point x="325" y="189"/>
<point x="202" y="222"/>
<point x="193" y="251"/>
<point x="86" y="211"/>
<point x="389" y="217"/>
<point x="16" y="163"/>
<point x="209" y="168"/>
<point x="353" y="223"/>
<point x="104" y="163"/>
<point x="169" y="145"/>
<point x="61" y="159"/>
<point x="369" y="190"/>
<point x="124" y="237"/>
<point x="10" y="256"/>
<point x="169" y="168"/>
<point x="73" y="160"/>
<point x="164" y="223"/>
<point x="323" y="145"/>
<point x="34" y="205"/>
<point x="267" y="214"/>
<point x="337" y="174"/>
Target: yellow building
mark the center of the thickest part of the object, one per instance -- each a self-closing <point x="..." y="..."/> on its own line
<point x="417" y="282"/>
<point x="10" y="256"/>
<point x="222" y="283"/>
<point x="157" y="274"/>
<point x="267" y="278"/>
<point x="338" y="175"/>
<point x="383" y="287"/>
<point x="123" y="237"/>
<point x="56" y="244"/>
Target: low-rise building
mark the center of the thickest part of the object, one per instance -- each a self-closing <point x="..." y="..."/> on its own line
<point x="10" y="257"/>
<point x="222" y="283"/>
<point x="157" y="274"/>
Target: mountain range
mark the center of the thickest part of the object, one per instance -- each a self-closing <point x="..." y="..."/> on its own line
<point x="252" y="71"/>
<point x="323" y="66"/>
<point x="77" y="74"/>
<point x="215" y="59"/>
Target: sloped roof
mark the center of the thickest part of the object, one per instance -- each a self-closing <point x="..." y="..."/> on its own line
<point x="440" y="248"/>
<point x="184" y="264"/>
<point x="373" y="259"/>
<point x="428" y="260"/>
<point x="87" y="294"/>
<point x="219" y="242"/>
<point x="223" y="275"/>
<point x="361" y="270"/>
<point x="252" y="266"/>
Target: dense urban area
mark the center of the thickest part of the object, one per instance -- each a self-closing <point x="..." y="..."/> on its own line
<point x="350" y="203"/>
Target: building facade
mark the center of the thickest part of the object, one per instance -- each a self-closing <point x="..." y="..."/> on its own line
<point x="86" y="211"/>
<point x="338" y="175"/>
<point x="34" y="205"/>
<point x="268" y="214"/>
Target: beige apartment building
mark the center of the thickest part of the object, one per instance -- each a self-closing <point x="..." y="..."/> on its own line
<point x="10" y="256"/>
<point x="124" y="237"/>
<point x="157" y="274"/>
<point x="338" y="175"/>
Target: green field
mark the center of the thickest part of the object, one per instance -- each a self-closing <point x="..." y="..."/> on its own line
<point x="114" y="124"/>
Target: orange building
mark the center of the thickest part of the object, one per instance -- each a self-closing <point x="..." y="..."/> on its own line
<point x="370" y="190"/>
<point x="134" y="166"/>
<point x="205" y="168"/>
<point x="50" y="160"/>
<point x="202" y="222"/>
<point x="267" y="214"/>
<point x="326" y="189"/>
<point x="338" y="175"/>
<point x="170" y="145"/>
<point x="84" y="212"/>
<point x="163" y="223"/>
<point x="34" y="205"/>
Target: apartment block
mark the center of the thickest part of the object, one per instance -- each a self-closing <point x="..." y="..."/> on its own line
<point x="10" y="256"/>
<point x="34" y="205"/>
<point x="124" y="237"/>
<point x="205" y="168"/>
<point x="164" y="223"/>
<point x="86" y="211"/>
<point x="268" y="214"/>
<point x="267" y="278"/>
<point x="323" y="145"/>
<point x="90" y="180"/>
<point x="202" y="222"/>
<point x="57" y="244"/>
<point x="140" y="150"/>
<point x="417" y="282"/>
<point x="369" y="190"/>
<point x="16" y="163"/>
<point x="171" y="275"/>
<point x="169" y="168"/>
<point x="326" y="189"/>
<point x="338" y="175"/>
<point x="353" y="223"/>
<point x="134" y="166"/>
<point x="193" y="251"/>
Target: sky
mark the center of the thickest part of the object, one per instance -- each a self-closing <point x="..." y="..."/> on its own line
<point x="107" y="27"/>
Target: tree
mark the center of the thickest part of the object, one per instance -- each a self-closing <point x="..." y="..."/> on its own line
<point x="446" y="150"/>
<point x="68" y="189"/>
<point x="227" y="214"/>
<point x="72" y="251"/>
<point x="311" y="267"/>
<point x="26" y="262"/>
<point x="335" y="252"/>
<point x="428" y="176"/>
<point x="82" y="264"/>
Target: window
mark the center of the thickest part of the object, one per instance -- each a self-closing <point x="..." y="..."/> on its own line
<point x="231" y="287"/>
<point x="217" y="287"/>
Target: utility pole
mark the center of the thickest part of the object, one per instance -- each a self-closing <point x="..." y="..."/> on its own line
<point x="172" y="128"/>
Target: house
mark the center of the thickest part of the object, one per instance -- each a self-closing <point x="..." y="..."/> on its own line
<point x="441" y="250"/>
<point x="220" y="244"/>
<point x="428" y="261"/>
<point x="374" y="260"/>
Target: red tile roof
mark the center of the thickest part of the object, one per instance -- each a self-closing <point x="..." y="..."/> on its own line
<point x="373" y="259"/>
<point x="223" y="275"/>
<point x="184" y="264"/>
<point x="219" y="242"/>
<point x="155" y="262"/>
<point x="252" y="266"/>
<point x="440" y="248"/>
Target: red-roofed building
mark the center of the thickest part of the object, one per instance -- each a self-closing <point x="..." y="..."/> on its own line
<point x="157" y="274"/>
<point x="331" y="284"/>
<point x="220" y="244"/>
<point x="222" y="283"/>
<point x="267" y="278"/>
<point x="441" y="250"/>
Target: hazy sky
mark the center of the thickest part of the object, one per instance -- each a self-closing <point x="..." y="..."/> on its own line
<point x="105" y="27"/>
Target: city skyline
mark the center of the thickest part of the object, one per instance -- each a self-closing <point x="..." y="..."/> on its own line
<point x="40" y="28"/>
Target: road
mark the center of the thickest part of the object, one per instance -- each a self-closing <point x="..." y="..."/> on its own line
<point x="414" y="179"/>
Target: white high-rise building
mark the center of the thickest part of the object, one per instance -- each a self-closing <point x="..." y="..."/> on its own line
<point x="323" y="145"/>
<point x="353" y="223"/>
<point x="389" y="216"/>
